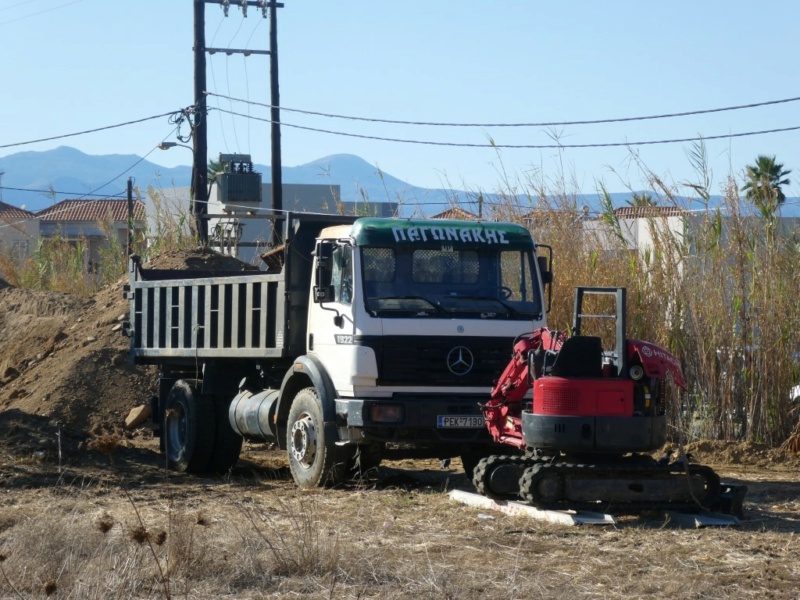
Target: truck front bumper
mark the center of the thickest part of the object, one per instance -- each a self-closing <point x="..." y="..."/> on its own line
<point x="416" y="421"/>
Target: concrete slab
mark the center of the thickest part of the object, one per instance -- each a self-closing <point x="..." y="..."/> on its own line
<point x="564" y="517"/>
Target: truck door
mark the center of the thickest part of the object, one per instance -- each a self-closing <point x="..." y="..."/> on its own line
<point x="331" y="329"/>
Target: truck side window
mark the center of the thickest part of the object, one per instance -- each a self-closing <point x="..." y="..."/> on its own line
<point x="342" y="277"/>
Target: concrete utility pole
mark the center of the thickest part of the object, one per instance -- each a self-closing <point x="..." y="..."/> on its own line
<point x="199" y="186"/>
<point x="275" y="129"/>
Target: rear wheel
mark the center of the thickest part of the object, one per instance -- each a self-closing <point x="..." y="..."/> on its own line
<point x="189" y="428"/>
<point x="314" y="460"/>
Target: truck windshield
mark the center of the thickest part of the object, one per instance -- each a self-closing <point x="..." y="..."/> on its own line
<point x="486" y="283"/>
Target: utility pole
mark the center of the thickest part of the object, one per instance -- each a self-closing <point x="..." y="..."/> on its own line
<point x="275" y="130"/>
<point x="275" y="116"/>
<point x="199" y="187"/>
<point x="1" y="185"/>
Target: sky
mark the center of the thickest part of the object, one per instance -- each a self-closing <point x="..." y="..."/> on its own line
<point x="74" y="65"/>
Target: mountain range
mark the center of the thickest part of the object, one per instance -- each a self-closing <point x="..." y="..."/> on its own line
<point x="37" y="180"/>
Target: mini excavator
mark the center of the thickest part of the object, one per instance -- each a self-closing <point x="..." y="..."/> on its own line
<point x="581" y="439"/>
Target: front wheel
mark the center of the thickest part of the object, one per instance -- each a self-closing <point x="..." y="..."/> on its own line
<point x="189" y="428"/>
<point x="313" y="460"/>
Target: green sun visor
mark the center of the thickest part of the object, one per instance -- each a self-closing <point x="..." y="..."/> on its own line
<point x="436" y="233"/>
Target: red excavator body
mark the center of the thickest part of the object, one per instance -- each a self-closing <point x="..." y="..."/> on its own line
<point x="583" y="417"/>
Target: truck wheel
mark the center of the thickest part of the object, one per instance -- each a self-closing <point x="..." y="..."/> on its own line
<point x="313" y="460"/>
<point x="189" y="428"/>
<point x="227" y="443"/>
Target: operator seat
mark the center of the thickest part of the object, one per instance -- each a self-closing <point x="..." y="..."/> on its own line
<point x="579" y="356"/>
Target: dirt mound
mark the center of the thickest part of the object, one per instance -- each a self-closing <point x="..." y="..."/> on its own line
<point x="737" y="453"/>
<point x="63" y="358"/>
<point x="200" y="259"/>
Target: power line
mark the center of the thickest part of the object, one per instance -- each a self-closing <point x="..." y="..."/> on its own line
<point x="66" y="135"/>
<point x="93" y="192"/>
<point x="522" y="146"/>
<point x="543" y="124"/>
<point x="15" y="189"/>
<point x="17" y="5"/>
<point x="41" y="12"/>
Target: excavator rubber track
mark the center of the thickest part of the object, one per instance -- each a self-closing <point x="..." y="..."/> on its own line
<point x="635" y="485"/>
<point x="498" y="476"/>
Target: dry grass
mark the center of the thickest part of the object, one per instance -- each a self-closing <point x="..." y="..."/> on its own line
<point x="721" y="295"/>
<point x="258" y="538"/>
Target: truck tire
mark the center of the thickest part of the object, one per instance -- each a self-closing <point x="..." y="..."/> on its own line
<point x="313" y="460"/>
<point x="189" y="428"/>
<point x="227" y="443"/>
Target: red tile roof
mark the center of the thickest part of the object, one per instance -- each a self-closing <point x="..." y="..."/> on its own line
<point x="456" y="213"/>
<point x="648" y="212"/>
<point x="92" y="210"/>
<point x="8" y="211"/>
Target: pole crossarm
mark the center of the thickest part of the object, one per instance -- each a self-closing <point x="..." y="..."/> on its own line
<point x="256" y="3"/>
<point x="243" y="4"/>
<point x="230" y="51"/>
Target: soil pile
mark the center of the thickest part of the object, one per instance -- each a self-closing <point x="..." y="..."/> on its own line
<point x="64" y="360"/>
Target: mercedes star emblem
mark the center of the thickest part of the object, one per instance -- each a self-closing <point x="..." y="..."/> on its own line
<point x="460" y="360"/>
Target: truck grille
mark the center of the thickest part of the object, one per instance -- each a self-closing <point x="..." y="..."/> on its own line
<point x="406" y="360"/>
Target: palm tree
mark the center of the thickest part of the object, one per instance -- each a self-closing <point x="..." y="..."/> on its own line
<point x="214" y="169"/>
<point x="764" y="180"/>
<point x="642" y="199"/>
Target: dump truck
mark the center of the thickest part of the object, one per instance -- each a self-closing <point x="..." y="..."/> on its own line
<point x="364" y="338"/>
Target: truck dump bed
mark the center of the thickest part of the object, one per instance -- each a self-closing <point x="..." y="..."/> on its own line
<point x="205" y="315"/>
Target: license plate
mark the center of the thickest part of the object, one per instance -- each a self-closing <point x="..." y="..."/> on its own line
<point x="460" y="422"/>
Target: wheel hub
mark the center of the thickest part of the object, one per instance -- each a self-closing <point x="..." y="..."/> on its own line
<point x="304" y="441"/>
<point x="176" y="430"/>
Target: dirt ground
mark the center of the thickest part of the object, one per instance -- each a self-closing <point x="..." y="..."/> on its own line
<point x="87" y="509"/>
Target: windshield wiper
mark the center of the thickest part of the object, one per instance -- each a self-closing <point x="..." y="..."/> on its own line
<point x="511" y="310"/>
<point x="433" y="306"/>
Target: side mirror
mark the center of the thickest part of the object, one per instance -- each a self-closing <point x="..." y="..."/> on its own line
<point x="545" y="265"/>
<point x="544" y="270"/>
<point x="323" y="290"/>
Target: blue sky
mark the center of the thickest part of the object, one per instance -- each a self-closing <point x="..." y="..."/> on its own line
<point x="74" y="65"/>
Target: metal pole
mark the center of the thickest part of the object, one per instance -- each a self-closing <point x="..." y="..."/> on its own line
<point x="275" y="130"/>
<point x="130" y="216"/>
<point x="199" y="187"/>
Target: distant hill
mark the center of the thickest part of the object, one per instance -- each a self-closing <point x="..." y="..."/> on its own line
<point x="71" y="174"/>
